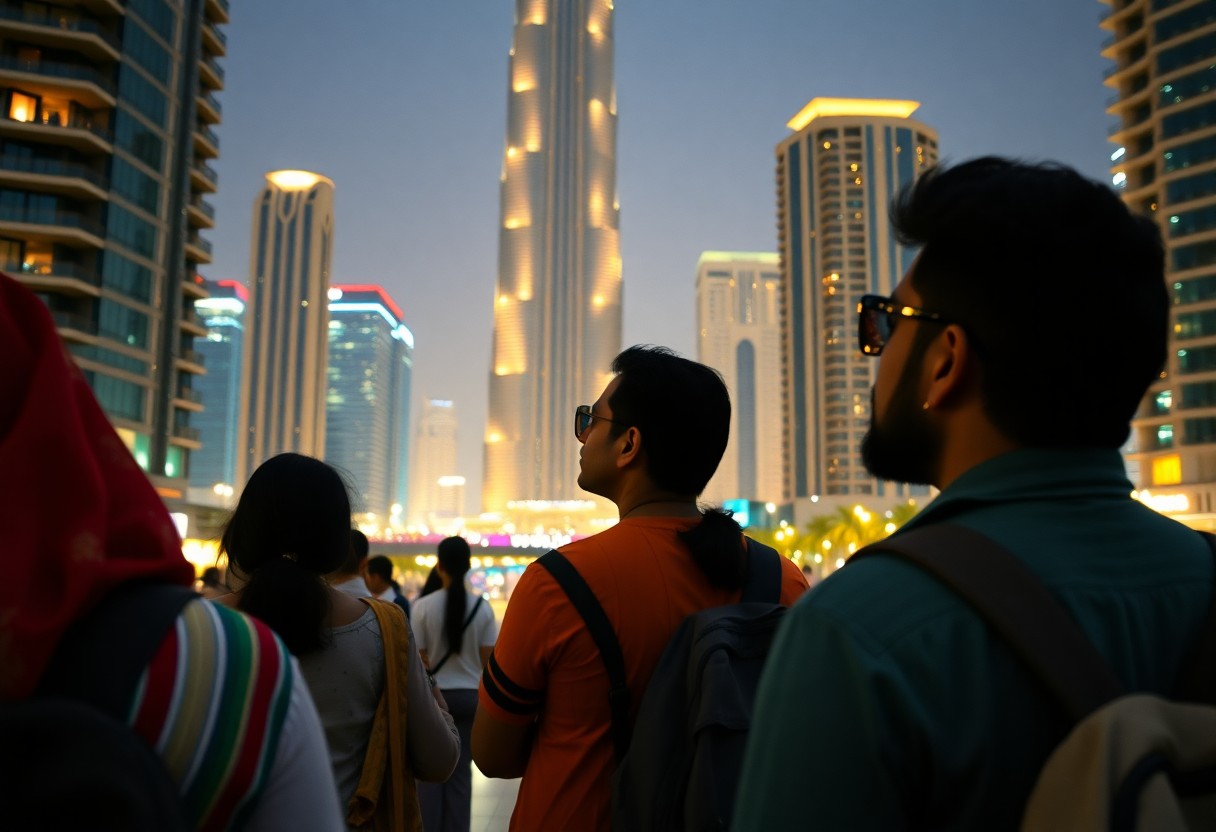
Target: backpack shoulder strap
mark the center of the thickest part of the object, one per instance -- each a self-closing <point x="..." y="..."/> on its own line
<point x="588" y="606"/>
<point x="1198" y="680"/>
<point x="763" y="573"/>
<point x="1021" y="610"/>
<point x="467" y="622"/>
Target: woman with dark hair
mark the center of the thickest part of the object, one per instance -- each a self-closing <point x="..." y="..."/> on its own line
<point x="456" y="632"/>
<point x="105" y="651"/>
<point x="291" y="528"/>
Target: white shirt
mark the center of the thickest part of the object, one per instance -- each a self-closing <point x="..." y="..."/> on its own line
<point x="462" y="671"/>
<point x="356" y="586"/>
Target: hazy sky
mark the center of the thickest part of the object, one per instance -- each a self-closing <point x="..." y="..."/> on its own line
<point x="403" y="104"/>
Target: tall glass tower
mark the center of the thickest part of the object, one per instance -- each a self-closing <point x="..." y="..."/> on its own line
<point x="1163" y="76"/>
<point x="108" y="117"/>
<point x="223" y="314"/>
<point x="836" y="175"/>
<point x="557" y="305"/>
<point x="286" y="343"/>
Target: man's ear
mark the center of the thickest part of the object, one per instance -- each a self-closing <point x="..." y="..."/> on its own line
<point x="630" y="447"/>
<point x="950" y="366"/>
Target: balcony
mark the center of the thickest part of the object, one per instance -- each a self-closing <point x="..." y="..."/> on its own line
<point x="61" y="30"/>
<point x="211" y="73"/>
<point x="189" y="434"/>
<point x="192" y="358"/>
<point x="206" y="142"/>
<point x="72" y="322"/>
<point x="214" y="40"/>
<point x="218" y="9"/>
<point x="57" y="277"/>
<point x="79" y="133"/>
<point x="204" y="177"/>
<point x="53" y="176"/>
<point x="193" y="324"/>
<point x="68" y="227"/>
<point x="209" y="109"/>
<point x="1117" y="7"/>
<point x="189" y="394"/>
<point x="200" y="213"/>
<point x="198" y="250"/>
<point x="79" y="82"/>
<point x="193" y="288"/>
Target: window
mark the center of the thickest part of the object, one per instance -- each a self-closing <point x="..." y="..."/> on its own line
<point x="1193" y="187"/>
<point x="126" y="277"/>
<point x="1199" y="431"/>
<point x="1194" y="256"/>
<point x="142" y="94"/>
<point x="1187" y="20"/>
<point x="1189" y="121"/>
<point x="1192" y="153"/>
<point x="122" y="323"/>
<point x="1199" y="360"/>
<point x="1188" y="86"/>
<point x="1202" y="394"/>
<point x="1194" y="290"/>
<point x="1192" y="222"/>
<point x="139" y="140"/>
<point x="130" y="231"/>
<point x="145" y="51"/>
<point x="118" y="397"/>
<point x="22" y="106"/>
<point x="157" y="14"/>
<point x="1179" y="56"/>
<point x="135" y="186"/>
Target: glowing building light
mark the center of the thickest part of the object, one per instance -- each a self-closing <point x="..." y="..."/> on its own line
<point x="295" y="180"/>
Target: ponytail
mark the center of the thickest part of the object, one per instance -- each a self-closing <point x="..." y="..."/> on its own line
<point x="292" y="600"/>
<point x="453" y="556"/>
<point x="717" y="548"/>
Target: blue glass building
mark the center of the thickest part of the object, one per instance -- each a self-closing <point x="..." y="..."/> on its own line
<point x="223" y="314"/>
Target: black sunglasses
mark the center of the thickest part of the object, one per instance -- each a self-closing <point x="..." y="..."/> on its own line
<point x="583" y="417"/>
<point x="876" y="317"/>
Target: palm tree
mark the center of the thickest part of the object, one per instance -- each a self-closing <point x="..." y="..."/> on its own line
<point x="832" y="538"/>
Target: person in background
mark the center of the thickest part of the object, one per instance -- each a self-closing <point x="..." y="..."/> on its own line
<point x="650" y="444"/>
<point x="456" y="632"/>
<point x="211" y="584"/>
<point x="290" y="529"/>
<point x="249" y="750"/>
<point x="349" y="576"/>
<point x="1012" y="356"/>
<point x="379" y="577"/>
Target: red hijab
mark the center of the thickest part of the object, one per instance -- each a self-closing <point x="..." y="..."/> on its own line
<point x="77" y="515"/>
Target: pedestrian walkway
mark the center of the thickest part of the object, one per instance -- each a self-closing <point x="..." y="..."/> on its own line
<point x="493" y="801"/>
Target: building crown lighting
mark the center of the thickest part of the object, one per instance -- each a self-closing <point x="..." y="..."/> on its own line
<point x="296" y="180"/>
<point x="856" y="107"/>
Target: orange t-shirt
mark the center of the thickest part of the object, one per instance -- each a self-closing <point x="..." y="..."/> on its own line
<point x="546" y="667"/>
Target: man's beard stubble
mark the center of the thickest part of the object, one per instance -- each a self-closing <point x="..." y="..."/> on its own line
<point x="904" y="446"/>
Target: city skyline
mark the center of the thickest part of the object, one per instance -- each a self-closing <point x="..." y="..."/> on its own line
<point x="704" y="91"/>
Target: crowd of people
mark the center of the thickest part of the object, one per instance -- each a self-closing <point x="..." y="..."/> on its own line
<point x="306" y="692"/>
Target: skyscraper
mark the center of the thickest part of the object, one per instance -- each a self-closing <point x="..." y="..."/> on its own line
<point x="371" y="359"/>
<point x="836" y="174"/>
<point x="222" y="348"/>
<point x="108" y="116"/>
<point x="1164" y="78"/>
<point x="433" y="490"/>
<point x="739" y="335"/>
<point x="286" y="343"/>
<point x="557" y="305"/>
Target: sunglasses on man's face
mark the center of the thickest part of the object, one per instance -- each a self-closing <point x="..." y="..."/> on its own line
<point x="876" y="318"/>
<point x="583" y="418"/>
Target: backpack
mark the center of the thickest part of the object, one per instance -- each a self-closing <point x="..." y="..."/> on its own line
<point x="1130" y="761"/>
<point x="70" y="759"/>
<point x="680" y="765"/>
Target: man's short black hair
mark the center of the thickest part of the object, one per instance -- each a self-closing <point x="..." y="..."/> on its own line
<point x="381" y="567"/>
<point x="682" y="410"/>
<point x="359" y="547"/>
<point x="1060" y="288"/>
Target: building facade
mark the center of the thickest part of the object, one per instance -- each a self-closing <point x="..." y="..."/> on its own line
<point x="1164" y="163"/>
<point x="836" y="173"/>
<point x="287" y="332"/>
<point x="109" y="120"/>
<point x="223" y="314"/>
<point x="367" y="401"/>
<point x="437" y="491"/>
<point x="739" y="335"/>
<point x="557" y="304"/>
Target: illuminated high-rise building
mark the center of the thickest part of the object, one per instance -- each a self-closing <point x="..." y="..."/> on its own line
<point x="286" y="335"/>
<point x="1164" y="163"/>
<point x="739" y="335"/>
<point x="222" y="350"/>
<point x="557" y="304"/>
<point x="836" y="175"/>
<point x="367" y="430"/>
<point x="436" y="491"/>
<point x="108" y="123"/>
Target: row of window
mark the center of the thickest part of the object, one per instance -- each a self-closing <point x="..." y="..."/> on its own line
<point x="1192" y="153"/>
<point x="1188" y="86"/>
<point x="135" y="186"/>
<point x="1189" y="121"/>
<point x="118" y="397"/>
<point x="130" y="231"/>
<point x="126" y="276"/>
<point x="122" y="323"/>
<point x="157" y="14"/>
<point x="1183" y="54"/>
<point x="143" y="95"/>
<point x="110" y="357"/>
<point x="133" y="136"/>
<point x="1187" y="20"/>
<point x="145" y="51"/>
<point x="1193" y="221"/>
<point x="1195" y="324"/>
<point x="1192" y="187"/>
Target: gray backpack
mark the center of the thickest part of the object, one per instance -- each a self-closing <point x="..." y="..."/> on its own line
<point x="679" y="766"/>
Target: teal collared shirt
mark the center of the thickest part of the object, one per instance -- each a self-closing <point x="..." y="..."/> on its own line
<point x="887" y="704"/>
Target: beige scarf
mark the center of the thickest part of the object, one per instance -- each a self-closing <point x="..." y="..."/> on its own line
<point x="387" y="798"/>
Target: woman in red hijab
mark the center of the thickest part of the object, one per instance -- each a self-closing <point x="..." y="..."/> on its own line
<point x="82" y="534"/>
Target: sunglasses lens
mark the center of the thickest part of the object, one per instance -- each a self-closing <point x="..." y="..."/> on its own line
<point x="581" y="420"/>
<point x="873" y="327"/>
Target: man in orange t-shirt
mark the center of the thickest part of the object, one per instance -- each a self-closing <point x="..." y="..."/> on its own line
<point x="650" y="444"/>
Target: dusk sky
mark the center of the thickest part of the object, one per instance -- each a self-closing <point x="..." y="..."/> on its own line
<point x="403" y="104"/>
